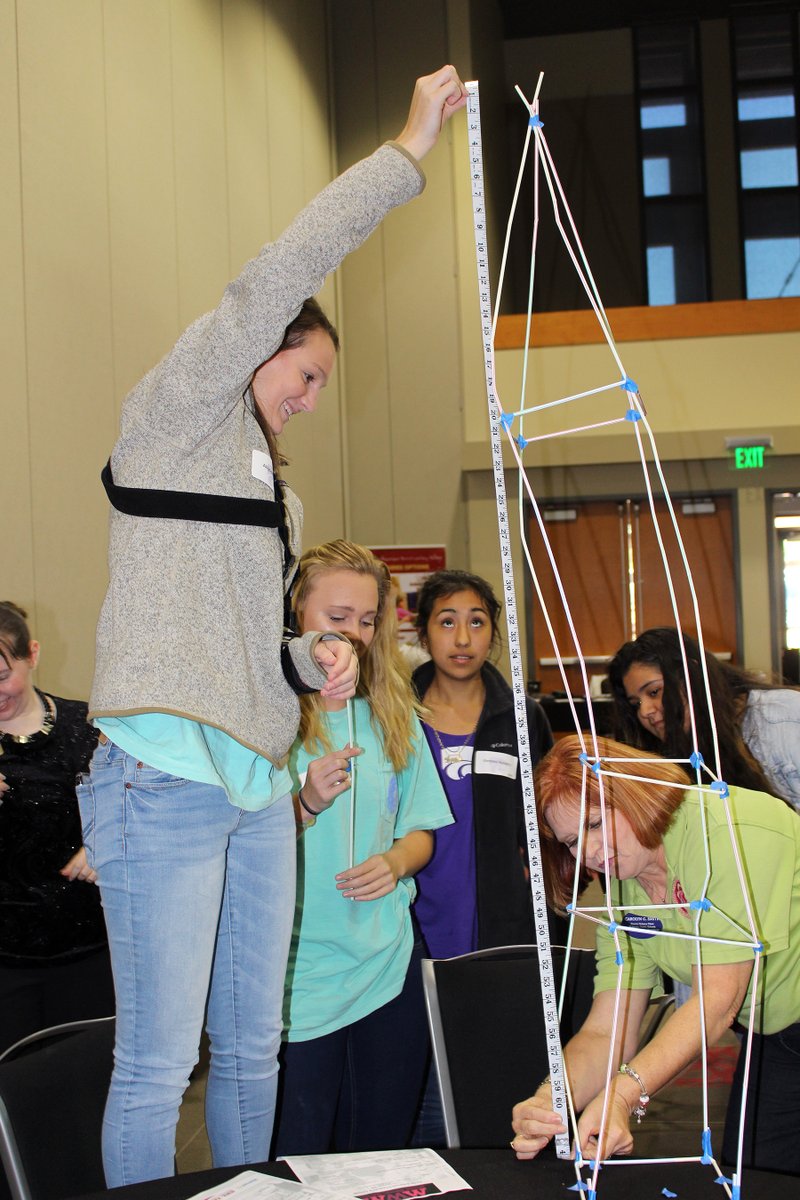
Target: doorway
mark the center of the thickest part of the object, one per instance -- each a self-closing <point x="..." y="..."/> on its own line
<point x="611" y="566"/>
<point x="786" y="582"/>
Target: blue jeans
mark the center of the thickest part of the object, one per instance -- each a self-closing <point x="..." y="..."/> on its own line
<point x="199" y="899"/>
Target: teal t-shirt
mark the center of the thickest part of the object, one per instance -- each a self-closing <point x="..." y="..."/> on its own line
<point x="190" y="750"/>
<point x="768" y="836"/>
<point x="348" y="958"/>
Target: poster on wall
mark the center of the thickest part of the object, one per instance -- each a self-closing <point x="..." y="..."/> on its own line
<point x="409" y="567"/>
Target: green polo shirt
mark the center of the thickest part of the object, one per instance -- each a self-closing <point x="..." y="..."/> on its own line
<point x="767" y="833"/>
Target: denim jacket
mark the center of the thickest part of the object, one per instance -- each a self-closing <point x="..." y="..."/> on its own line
<point x="771" y="729"/>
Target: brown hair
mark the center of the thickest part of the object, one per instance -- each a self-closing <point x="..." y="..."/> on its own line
<point x="311" y="316"/>
<point x="15" y="636"/>
<point x="443" y="584"/>
<point x="384" y="679"/>
<point x="566" y="771"/>
<point x="661" y="649"/>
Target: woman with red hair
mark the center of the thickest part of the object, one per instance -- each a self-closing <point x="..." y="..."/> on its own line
<point x="667" y="851"/>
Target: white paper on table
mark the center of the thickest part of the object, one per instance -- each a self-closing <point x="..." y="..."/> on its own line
<point x="252" y="1185"/>
<point x="384" y="1174"/>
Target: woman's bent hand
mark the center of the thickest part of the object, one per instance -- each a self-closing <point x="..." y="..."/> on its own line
<point x="339" y="661"/>
<point x="617" y="1136"/>
<point x="534" y="1123"/>
<point x="436" y="97"/>
<point x="78" y="868"/>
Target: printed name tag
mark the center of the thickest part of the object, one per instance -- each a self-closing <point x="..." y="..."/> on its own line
<point x="639" y="925"/>
<point x="495" y="762"/>
<point x="262" y="468"/>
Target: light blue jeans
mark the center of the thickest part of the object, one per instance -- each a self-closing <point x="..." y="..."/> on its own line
<point x="199" y="900"/>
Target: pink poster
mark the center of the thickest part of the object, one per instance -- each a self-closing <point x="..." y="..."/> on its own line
<point x="409" y="567"/>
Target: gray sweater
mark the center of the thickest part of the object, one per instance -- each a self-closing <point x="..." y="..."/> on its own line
<point x="193" y="617"/>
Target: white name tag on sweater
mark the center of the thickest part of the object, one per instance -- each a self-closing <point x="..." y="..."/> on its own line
<point x="262" y="468"/>
<point x="495" y="762"/>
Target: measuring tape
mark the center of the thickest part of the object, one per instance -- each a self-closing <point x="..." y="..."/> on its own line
<point x="549" y="991"/>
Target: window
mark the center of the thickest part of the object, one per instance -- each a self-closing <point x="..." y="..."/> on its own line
<point x="765" y="61"/>
<point x="671" y="156"/>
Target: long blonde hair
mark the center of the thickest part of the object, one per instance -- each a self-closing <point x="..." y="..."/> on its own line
<point x="385" y="681"/>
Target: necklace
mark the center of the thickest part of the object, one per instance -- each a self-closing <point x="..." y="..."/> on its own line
<point x="452" y="755"/>
<point x="48" y="721"/>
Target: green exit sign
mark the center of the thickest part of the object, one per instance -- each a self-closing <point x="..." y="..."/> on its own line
<point x="748" y="458"/>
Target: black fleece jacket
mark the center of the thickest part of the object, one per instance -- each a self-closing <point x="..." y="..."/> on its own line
<point x="505" y="915"/>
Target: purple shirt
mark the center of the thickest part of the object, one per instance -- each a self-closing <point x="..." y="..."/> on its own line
<point x="447" y="906"/>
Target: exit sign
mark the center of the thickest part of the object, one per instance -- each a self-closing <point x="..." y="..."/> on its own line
<point x="748" y="458"/>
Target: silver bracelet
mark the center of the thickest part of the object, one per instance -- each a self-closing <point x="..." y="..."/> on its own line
<point x="640" y="1109"/>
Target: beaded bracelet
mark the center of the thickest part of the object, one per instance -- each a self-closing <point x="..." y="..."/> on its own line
<point x="644" y="1098"/>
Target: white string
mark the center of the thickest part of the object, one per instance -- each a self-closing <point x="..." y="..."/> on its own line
<point x="353" y="772"/>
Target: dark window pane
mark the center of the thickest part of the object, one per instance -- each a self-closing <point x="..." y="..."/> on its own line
<point x="676" y="255"/>
<point x="666" y="57"/>
<point x="763" y="47"/>
<point x="671" y="146"/>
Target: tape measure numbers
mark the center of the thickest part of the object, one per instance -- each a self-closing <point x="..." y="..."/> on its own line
<point x="546" y="974"/>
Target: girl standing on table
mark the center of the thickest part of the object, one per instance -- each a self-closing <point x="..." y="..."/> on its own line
<point x="188" y="816"/>
<point x="356" y="1033"/>
<point x="54" y="964"/>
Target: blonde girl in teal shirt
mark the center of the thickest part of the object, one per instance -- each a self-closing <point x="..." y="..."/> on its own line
<point x="356" y="1037"/>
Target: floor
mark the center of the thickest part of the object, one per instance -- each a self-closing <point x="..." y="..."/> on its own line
<point x="193" y="1152"/>
<point x="671" y="1129"/>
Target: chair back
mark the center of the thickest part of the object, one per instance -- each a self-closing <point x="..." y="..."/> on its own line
<point x="53" y="1088"/>
<point x="487" y="1027"/>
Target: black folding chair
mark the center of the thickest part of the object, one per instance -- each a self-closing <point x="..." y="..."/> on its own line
<point x="487" y="1027"/>
<point x="53" y="1088"/>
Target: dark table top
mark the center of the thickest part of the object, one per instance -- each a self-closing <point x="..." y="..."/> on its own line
<point x="499" y="1175"/>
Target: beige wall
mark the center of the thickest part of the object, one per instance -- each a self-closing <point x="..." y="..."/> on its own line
<point x="403" y="333"/>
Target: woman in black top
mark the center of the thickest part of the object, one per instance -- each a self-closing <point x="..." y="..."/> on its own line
<point x="475" y="891"/>
<point x="470" y="720"/>
<point x="54" y="963"/>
